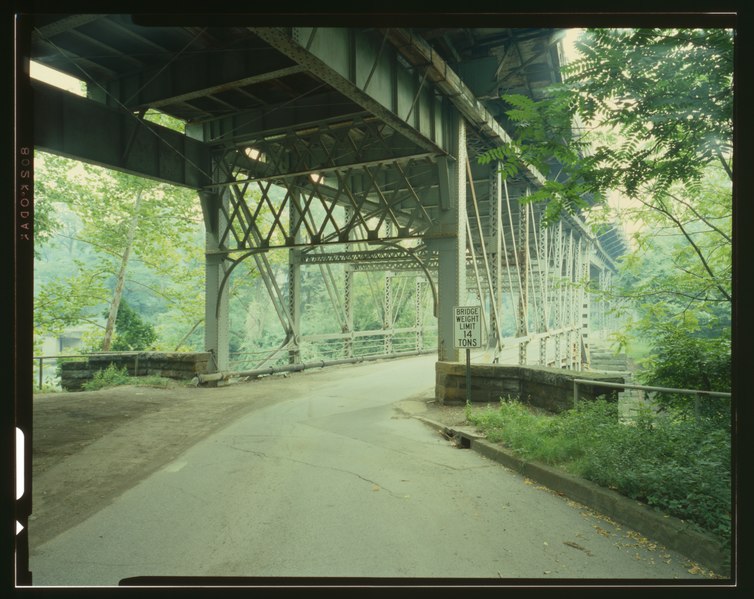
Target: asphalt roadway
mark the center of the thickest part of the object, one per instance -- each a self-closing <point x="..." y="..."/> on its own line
<point x="318" y="476"/>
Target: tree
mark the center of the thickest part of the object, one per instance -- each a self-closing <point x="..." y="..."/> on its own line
<point x="128" y="223"/>
<point x="132" y="333"/>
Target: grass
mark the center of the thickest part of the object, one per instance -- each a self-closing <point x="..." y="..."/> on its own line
<point x="680" y="466"/>
<point x="113" y="376"/>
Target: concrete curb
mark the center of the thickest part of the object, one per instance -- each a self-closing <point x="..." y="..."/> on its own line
<point x="671" y="532"/>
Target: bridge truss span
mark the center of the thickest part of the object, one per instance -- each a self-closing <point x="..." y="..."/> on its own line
<point x="353" y="150"/>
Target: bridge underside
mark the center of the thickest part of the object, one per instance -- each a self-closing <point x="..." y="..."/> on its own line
<point x="354" y="150"/>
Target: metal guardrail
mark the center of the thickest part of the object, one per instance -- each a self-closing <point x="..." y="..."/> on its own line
<point x="697" y="393"/>
<point x="220" y="376"/>
<point x="377" y="354"/>
<point x="80" y="356"/>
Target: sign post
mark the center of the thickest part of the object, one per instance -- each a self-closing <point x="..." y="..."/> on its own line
<point x="467" y="334"/>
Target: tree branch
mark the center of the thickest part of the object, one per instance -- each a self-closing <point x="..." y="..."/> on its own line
<point x="700" y="217"/>
<point x="187" y="335"/>
<point x="726" y="166"/>
<point x="661" y="208"/>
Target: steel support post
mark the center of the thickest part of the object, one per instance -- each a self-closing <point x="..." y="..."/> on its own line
<point x="585" y="298"/>
<point x="568" y="297"/>
<point x="294" y="282"/>
<point x="609" y="315"/>
<point x="216" y="313"/>
<point x="294" y="303"/>
<point x="387" y="312"/>
<point x="419" y="314"/>
<point x="557" y="241"/>
<point x="347" y="292"/>
<point x="604" y="275"/>
<point x="523" y="296"/>
<point x="450" y="243"/>
<point x="542" y="269"/>
<point x="496" y="233"/>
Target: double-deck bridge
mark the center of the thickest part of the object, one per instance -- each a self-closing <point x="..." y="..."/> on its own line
<point x="352" y="145"/>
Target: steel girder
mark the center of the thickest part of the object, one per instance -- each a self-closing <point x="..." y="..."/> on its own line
<point x="321" y="173"/>
<point x="69" y="125"/>
<point x="366" y="72"/>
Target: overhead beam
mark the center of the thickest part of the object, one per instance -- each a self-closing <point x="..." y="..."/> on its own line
<point x="62" y="25"/>
<point x="72" y="126"/>
<point x="196" y="76"/>
<point x="312" y="111"/>
<point x="366" y="72"/>
<point x="416" y="51"/>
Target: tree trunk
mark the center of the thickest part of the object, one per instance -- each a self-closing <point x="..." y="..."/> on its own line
<point x="121" y="280"/>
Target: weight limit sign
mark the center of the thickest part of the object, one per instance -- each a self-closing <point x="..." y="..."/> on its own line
<point x="467" y="322"/>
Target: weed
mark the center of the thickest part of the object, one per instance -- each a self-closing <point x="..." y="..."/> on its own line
<point x="112" y="376"/>
<point x="678" y="465"/>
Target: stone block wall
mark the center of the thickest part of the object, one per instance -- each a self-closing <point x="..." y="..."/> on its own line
<point x="547" y="388"/>
<point x="179" y="366"/>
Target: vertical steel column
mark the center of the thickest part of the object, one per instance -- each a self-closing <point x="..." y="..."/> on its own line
<point x="419" y="314"/>
<point x="450" y="241"/>
<point x="568" y="299"/>
<point x="523" y="296"/>
<point x="542" y="269"/>
<point x="586" y="261"/>
<point x="387" y="303"/>
<point x="604" y="283"/>
<point x="609" y="314"/>
<point x="216" y="313"/>
<point x="576" y="303"/>
<point x="294" y="280"/>
<point x="387" y="319"/>
<point x="347" y="291"/>
<point x="556" y="291"/>
<point x="496" y="230"/>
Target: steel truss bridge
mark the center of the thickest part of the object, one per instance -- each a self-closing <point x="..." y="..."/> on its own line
<point x="346" y="145"/>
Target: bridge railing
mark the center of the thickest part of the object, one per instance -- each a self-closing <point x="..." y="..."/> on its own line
<point x="40" y="363"/>
<point x="697" y="394"/>
<point x="338" y="346"/>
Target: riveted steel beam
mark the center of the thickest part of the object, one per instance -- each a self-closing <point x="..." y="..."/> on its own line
<point x="359" y="67"/>
<point x="162" y="85"/>
<point x="72" y="126"/>
<point x="308" y="112"/>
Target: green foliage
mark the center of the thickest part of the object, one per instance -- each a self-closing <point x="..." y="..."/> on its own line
<point x="669" y="94"/>
<point x="93" y="209"/>
<point x="683" y="359"/>
<point x="112" y="376"/>
<point x="68" y="301"/>
<point x="680" y="466"/>
<point x="132" y="333"/>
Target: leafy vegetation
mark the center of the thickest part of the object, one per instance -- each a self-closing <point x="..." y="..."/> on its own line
<point x="678" y="465"/>
<point x="132" y="333"/>
<point x="112" y="376"/>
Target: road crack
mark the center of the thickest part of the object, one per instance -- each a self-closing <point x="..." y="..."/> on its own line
<point x="264" y="455"/>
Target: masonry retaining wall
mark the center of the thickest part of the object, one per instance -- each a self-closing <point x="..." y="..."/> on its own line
<point x="547" y="388"/>
<point x="179" y="366"/>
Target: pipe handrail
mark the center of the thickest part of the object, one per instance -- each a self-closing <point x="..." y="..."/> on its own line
<point x="697" y="393"/>
<point x="649" y="388"/>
